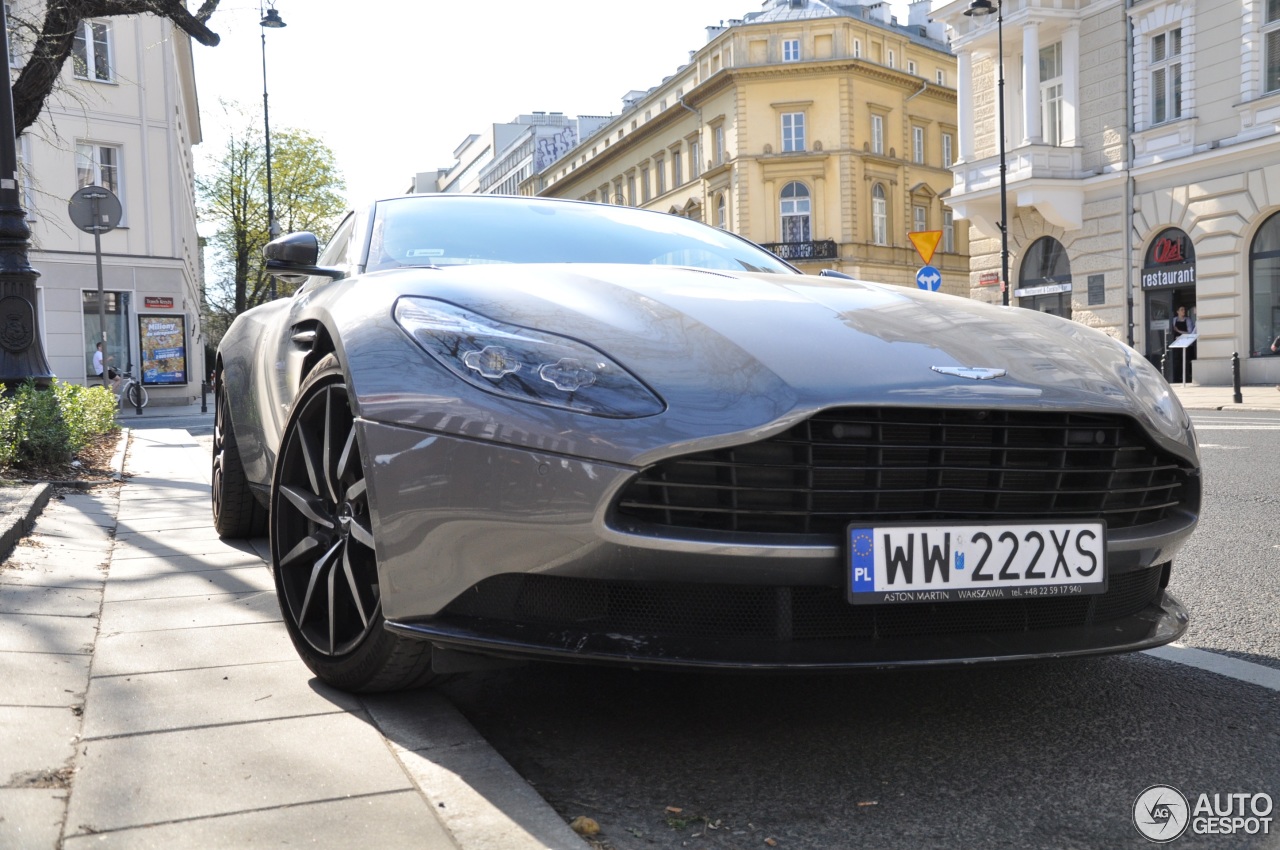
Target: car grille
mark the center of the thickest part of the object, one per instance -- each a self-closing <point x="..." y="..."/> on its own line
<point x="688" y="610"/>
<point x="896" y="465"/>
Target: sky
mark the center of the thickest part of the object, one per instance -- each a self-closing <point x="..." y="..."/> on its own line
<point x="394" y="86"/>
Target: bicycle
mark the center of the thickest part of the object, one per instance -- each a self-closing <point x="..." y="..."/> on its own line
<point x="131" y="390"/>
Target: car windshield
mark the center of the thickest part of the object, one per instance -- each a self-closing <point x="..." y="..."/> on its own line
<point x="434" y="230"/>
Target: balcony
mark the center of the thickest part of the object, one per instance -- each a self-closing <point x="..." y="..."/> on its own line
<point x="802" y="251"/>
<point x="1047" y="177"/>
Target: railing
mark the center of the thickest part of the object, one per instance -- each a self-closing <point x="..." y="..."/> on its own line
<point x="823" y="250"/>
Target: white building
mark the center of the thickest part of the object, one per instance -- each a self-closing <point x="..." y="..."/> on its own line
<point x="1143" y="168"/>
<point x="497" y="161"/>
<point x="124" y="116"/>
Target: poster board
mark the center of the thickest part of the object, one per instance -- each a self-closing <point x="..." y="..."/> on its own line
<point x="163" y="342"/>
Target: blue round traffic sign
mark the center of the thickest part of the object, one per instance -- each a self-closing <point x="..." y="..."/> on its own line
<point x="929" y="278"/>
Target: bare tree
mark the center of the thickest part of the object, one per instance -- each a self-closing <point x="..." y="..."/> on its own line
<point x="52" y="37"/>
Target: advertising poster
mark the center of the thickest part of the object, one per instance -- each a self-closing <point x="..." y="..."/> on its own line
<point x="164" y="349"/>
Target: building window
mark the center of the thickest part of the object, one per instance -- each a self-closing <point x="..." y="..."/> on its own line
<point x="791" y="50"/>
<point x="948" y="154"/>
<point x="660" y="174"/>
<point x="795" y="209"/>
<point x="857" y="49"/>
<point x="1264" y="287"/>
<point x="891" y="59"/>
<point x="91" y="51"/>
<point x="717" y="135"/>
<point x="941" y="77"/>
<point x="98" y="165"/>
<point x="618" y="197"/>
<point x="677" y="170"/>
<point x="911" y="67"/>
<point x="877" y="134"/>
<point x="919" y="218"/>
<point x="1166" y="76"/>
<point x="917" y="144"/>
<point x="879" y="215"/>
<point x="722" y="212"/>
<point x="793" y="131"/>
<point x="631" y="190"/>
<point x="1046" y="267"/>
<point x="948" y="232"/>
<point x="645" y="189"/>
<point x="695" y="167"/>
<point x="113" y="324"/>
<point x="1271" y="52"/>
<point x="1051" y="92"/>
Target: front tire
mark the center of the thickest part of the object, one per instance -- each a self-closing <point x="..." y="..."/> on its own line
<point x="322" y="548"/>
<point x="237" y="513"/>
<point x="137" y="395"/>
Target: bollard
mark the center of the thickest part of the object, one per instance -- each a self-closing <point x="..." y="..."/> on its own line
<point x="204" y="397"/>
<point x="1237" y="397"/>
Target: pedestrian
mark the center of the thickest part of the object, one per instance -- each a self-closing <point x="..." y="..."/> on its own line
<point x="100" y="361"/>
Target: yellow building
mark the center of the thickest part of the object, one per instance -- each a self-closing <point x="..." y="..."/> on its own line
<point x="821" y="130"/>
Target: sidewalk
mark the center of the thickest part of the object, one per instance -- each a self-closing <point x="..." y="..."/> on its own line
<point x="152" y="698"/>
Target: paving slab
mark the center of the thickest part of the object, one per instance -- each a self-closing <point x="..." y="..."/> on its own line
<point x="149" y="565"/>
<point x="236" y="768"/>
<point x="35" y="742"/>
<point x="157" y="545"/>
<point x="41" y="679"/>
<point x="31" y="817"/>
<point x="153" y="702"/>
<point x="169" y="584"/>
<point x="54" y="573"/>
<point x="186" y="649"/>
<point x="189" y="612"/>
<point x="396" y="820"/>
<point x="50" y="634"/>
<point x="37" y="599"/>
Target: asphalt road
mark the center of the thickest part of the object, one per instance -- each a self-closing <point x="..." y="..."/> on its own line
<point x="1040" y="756"/>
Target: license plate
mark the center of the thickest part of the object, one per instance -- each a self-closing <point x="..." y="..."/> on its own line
<point x="957" y="563"/>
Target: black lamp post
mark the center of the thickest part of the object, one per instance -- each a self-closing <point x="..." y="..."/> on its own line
<point x="21" y="352"/>
<point x="270" y="20"/>
<point x="982" y="8"/>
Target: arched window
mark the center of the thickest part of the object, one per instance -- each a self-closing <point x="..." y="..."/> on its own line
<point x="1047" y="271"/>
<point x="1264" y="287"/>
<point x="879" y="215"/>
<point x="795" y="213"/>
<point x="722" y="212"/>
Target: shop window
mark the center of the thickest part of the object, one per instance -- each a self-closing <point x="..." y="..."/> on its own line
<point x="1264" y="287"/>
<point x="1045" y="278"/>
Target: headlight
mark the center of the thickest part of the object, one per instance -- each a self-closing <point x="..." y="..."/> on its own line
<point x="525" y="364"/>
<point x="1150" y="387"/>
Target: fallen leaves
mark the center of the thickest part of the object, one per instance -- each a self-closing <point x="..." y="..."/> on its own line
<point x="584" y="825"/>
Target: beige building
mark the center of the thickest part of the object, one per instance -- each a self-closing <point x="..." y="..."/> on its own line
<point x="823" y="130"/>
<point x="1143" y="169"/>
<point x="125" y="117"/>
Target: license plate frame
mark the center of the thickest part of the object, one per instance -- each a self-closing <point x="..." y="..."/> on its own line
<point x="1070" y="561"/>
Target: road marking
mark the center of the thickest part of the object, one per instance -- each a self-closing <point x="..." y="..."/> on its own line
<point x="1202" y="427"/>
<point x="1223" y="665"/>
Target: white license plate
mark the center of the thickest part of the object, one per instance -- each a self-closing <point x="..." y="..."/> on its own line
<point x="957" y="563"/>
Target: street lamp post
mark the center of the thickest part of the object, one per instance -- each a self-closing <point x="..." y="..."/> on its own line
<point x="21" y="352"/>
<point x="270" y="20"/>
<point x="982" y="8"/>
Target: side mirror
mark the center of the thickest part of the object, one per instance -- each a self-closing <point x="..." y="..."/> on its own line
<point x="292" y="258"/>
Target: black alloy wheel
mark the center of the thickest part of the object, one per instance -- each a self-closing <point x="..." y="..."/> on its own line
<point x="322" y="548"/>
<point x="237" y="513"/>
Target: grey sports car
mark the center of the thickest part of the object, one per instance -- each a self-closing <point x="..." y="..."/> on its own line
<point x="511" y="427"/>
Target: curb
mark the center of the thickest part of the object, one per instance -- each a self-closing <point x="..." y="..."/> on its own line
<point x="18" y="523"/>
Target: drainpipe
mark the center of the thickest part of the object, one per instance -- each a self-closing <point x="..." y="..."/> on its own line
<point x="924" y="86"/>
<point x="697" y="112"/>
<point x="1128" y="169"/>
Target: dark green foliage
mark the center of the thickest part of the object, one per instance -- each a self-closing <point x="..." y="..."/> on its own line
<point x="39" y="427"/>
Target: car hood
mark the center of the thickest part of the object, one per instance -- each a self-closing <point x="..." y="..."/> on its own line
<point x="755" y="348"/>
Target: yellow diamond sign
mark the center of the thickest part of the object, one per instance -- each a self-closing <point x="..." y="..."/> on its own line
<point x="926" y="242"/>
